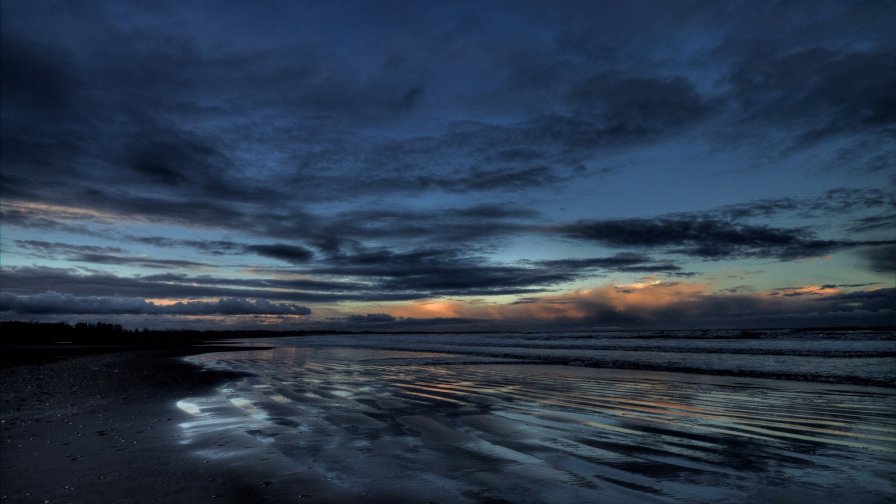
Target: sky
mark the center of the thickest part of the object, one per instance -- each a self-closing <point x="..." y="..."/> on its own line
<point x="449" y="165"/>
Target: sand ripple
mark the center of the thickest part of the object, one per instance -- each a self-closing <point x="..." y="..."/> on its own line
<point x="395" y="426"/>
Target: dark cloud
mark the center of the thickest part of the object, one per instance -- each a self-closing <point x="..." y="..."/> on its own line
<point x="259" y="282"/>
<point x="331" y="245"/>
<point x="383" y="157"/>
<point x="796" y="291"/>
<point x="441" y="272"/>
<point x="726" y="232"/>
<point x="438" y="324"/>
<point x="625" y="262"/>
<point x="234" y="306"/>
<point x="289" y="253"/>
<point x="140" y="261"/>
<point x="813" y="290"/>
<point x="190" y="134"/>
<point x="382" y="276"/>
<point x="55" y="249"/>
<point x="491" y="211"/>
<point x="30" y="281"/>
<point x="113" y="255"/>
<point x="874" y="222"/>
<point x="707" y="237"/>
<point x="838" y="286"/>
<point x="378" y="275"/>
<point x="881" y="259"/>
<point x="639" y="106"/>
<point x="738" y="310"/>
<point x="370" y="318"/>
<point x="873" y="301"/>
<point x="187" y="211"/>
<point x="213" y="247"/>
<point x="99" y="255"/>
<point x="448" y="272"/>
<point x="450" y="226"/>
<point x="515" y="178"/>
<point x="837" y="201"/>
<point x="817" y="91"/>
<point x="51" y="302"/>
<point x="184" y="164"/>
<point x="166" y="105"/>
<point x="330" y="234"/>
<point x="35" y="75"/>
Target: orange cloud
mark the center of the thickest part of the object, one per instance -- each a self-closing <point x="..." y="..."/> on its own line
<point x="810" y="290"/>
<point x="570" y="305"/>
<point x="62" y="212"/>
<point x="649" y="299"/>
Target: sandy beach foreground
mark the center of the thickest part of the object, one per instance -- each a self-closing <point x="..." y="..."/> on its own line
<point x="314" y="420"/>
<point x="103" y="428"/>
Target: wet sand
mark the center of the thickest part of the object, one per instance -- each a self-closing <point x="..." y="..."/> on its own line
<point x="342" y="425"/>
<point x="102" y="427"/>
<point x="376" y="425"/>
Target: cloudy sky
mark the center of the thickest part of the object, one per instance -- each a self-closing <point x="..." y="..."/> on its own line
<point x="463" y="165"/>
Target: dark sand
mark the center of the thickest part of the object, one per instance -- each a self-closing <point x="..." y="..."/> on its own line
<point x="102" y="427"/>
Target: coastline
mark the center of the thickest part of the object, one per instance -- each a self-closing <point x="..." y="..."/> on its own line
<point x="103" y="427"/>
<point x="334" y="424"/>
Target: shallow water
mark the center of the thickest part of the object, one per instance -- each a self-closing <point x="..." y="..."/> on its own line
<point x="475" y="424"/>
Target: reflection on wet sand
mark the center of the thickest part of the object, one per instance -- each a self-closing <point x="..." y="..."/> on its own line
<point x="395" y="426"/>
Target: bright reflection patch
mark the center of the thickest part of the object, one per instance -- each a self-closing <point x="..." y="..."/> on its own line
<point x="189" y="407"/>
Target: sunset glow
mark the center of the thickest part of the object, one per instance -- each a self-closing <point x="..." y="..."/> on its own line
<point x="514" y="164"/>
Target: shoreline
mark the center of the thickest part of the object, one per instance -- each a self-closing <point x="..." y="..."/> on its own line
<point x="145" y="424"/>
<point x="472" y="432"/>
<point x="101" y="425"/>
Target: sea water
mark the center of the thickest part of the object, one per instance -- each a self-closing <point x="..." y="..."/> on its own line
<point x="707" y="416"/>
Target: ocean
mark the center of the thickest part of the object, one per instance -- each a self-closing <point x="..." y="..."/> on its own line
<point x="613" y="416"/>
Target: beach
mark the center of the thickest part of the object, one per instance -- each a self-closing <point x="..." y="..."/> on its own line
<point x="448" y="418"/>
<point x="454" y="252"/>
<point x="102" y="427"/>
